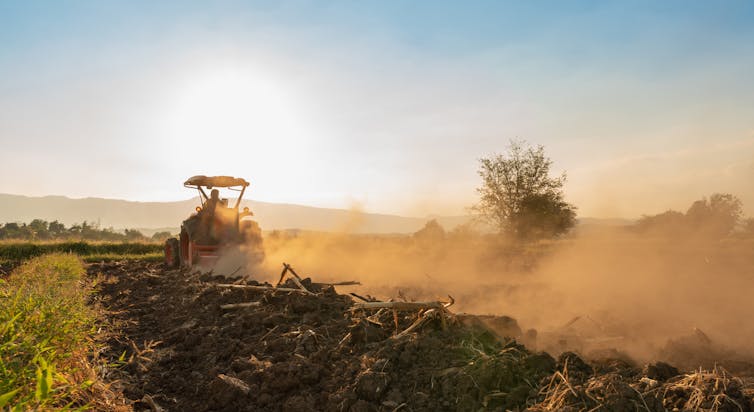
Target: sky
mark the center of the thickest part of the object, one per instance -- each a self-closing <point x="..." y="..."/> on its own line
<point x="383" y="106"/>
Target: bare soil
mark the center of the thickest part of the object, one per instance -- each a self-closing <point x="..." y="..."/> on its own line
<point x="179" y="350"/>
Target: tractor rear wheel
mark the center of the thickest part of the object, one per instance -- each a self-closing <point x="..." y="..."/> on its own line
<point x="172" y="254"/>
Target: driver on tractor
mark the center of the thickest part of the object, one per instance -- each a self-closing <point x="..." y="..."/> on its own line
<point x="215" y="225"/>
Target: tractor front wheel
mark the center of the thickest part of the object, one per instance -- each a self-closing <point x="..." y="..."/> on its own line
<point x="172" y="254"/>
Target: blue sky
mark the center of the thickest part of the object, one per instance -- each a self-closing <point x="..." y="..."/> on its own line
<point x="384" y="106"/>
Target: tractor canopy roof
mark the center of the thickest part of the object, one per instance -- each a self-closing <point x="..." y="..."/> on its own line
<point x="215" y="181"/>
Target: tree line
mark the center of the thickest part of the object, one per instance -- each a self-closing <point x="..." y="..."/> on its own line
<point x="713" y="217"/>
<point x="42" y="230"/>
<point x="519" y="199"/>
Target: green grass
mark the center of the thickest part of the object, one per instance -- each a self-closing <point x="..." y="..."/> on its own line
<point x="110" y="257"/>
<point x="45" y="336"/>
<point x="20" y="251"/>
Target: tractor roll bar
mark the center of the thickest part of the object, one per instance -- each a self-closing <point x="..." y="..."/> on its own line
<point x="200" y="181"/>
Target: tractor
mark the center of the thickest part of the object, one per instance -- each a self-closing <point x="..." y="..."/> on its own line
<point x="215" y="227"/>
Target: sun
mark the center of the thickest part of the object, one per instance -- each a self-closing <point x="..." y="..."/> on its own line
<point x="232" y="114"/>
<point x="244" y="120"/>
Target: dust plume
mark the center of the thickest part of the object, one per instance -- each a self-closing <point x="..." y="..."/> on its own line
<point x="634" y="292"/>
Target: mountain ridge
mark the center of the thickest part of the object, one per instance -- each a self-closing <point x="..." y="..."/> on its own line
<point x="121" y="214"/>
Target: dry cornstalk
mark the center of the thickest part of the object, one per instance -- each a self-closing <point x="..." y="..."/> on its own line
<point x="361" y="297"/>
<point x="282" y="275"/>
<point x="287" y="268"/>
<point x="344" y="283"/>
<point x="426" y="316"/>
<point x="296" y="278"/>
<point x="152" y="404"/>
<point x="301" y="285"/>
<point x="706" y="386"/>
<point x="233" y="272"/>
<point x="261" y="288"/>
<point x="269" y="332"/>
<point x="293" y="272"/>
<point x="345" y="338"/>
<point x="407" y="306"/>
<point x="239" y="305"/>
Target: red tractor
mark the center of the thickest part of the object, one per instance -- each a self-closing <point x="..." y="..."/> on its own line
<point x="215" y="226"/>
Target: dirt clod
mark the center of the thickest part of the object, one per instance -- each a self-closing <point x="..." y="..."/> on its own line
<point x="660" y="371"/>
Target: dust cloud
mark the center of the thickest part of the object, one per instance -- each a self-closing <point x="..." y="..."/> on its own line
<point x="629" y="291"/>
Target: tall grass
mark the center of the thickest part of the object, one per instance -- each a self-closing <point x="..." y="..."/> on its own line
<point x="45" y="336"/>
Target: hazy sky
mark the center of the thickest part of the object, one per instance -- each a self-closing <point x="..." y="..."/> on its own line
<point x="381" y="105"/>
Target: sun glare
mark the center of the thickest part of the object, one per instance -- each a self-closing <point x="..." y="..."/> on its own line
<point x="240" y="120"/>
<point x="235" y="113"/>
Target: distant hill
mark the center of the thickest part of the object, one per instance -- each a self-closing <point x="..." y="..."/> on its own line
<point x="167" y="216"/>
<point x="151" y="216"/>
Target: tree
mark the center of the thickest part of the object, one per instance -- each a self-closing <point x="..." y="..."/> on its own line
<point x="39" y="229"/>
<point x="670" y="222"/>
<point x="544" y="215"/>
<point x="432" y="230"/>
<point x="56" y="229"/>
<point x="133" y="234"/>
<point x="716" y="216"/>
<point x="518" y="197"/>
<point x="13" y="230"/>
<point x="747" y="226"/>
<point x="161" y="236"/>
